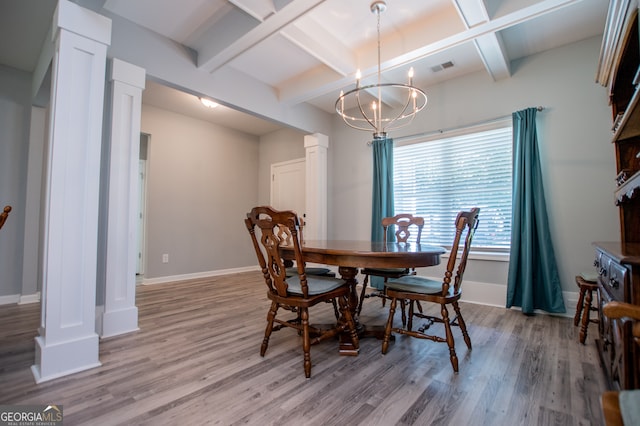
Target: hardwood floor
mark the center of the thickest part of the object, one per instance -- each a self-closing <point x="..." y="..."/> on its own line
<point x="196" y="361"/>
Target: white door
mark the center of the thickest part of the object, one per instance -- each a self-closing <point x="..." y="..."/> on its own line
<point x="142" y="186"/>
<point x="288" y="186"/>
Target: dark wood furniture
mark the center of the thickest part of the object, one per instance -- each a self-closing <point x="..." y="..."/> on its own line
<point x="585" y="306"/>
<point x="618" y="263"/>
<point x="446" y="292"/>
<point x="403" y="225"/>
<point x="349" y="256"/>
<point x="618" y="267"/>
<point x="299" y="292"/>
<point x="4" y="215"/>
<point x="610" y="400"/>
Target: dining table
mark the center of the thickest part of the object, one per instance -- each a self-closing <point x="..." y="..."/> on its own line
<point x="351" y="255"/>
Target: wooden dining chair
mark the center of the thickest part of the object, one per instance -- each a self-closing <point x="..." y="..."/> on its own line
<point x="291" y="268"/>
<point x="284" y="233"/>
<point x="415" y="288"/>
<point x="404" y="224"/>
<point x="4" y="215"/>
<point x="298" y="292"/>
<point x="622" y="407"/>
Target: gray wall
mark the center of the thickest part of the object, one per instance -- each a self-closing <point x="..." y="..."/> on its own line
<point x="575" y="147"/>
<point x="203" y="177"/>
<point x="201" y="182"/>
<point x="15" y="113"/>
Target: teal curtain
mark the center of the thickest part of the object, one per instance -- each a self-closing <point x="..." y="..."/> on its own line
<point x="382" y="200"/>
<point x="533" y="281"/>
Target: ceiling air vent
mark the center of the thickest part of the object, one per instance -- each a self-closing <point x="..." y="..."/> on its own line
<point x="442" y="66"/>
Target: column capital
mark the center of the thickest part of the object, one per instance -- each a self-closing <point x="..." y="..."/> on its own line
<point x="316" y="139"/>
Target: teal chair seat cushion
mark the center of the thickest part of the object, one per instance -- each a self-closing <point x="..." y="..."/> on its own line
<point x="385" y="271"/>
<point x="629" y="401"/>
<point x="415" y="284"/>
<point x="316" y="284"/>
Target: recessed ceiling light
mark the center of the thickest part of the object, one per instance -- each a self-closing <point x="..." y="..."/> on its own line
<point x="208" y="103"/>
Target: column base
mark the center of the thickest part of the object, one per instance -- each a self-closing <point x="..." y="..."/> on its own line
<point x="114" y="323"/>
<point x="60" y="359"/>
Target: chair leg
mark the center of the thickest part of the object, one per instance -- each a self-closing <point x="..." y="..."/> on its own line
<point x="271" y="315"/>
<point x="387" y="329"/>
<point x="404" y="316"/>
<point x="306" y="341"/>
<point x="346" y="312"/>
<point x="335" y="309"/>
<point x="362" y="294"/>
<point x="579" y="306"/>
<point x="384" y="293"/>
<point x="462" y="324"/>
<point x="410" y="322"/>
<point x="450" y="341"/>
<point x="585" y="316"/>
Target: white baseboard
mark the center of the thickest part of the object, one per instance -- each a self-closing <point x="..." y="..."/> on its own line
<point x="20" y="299"/>
<point x="496" y="295"/>
<point x="29" y="298"/>
<point x="10" y="299"/>
<point x="197" y="275"/>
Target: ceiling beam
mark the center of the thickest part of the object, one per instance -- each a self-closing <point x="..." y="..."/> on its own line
<point x="322" y="45"/>
<point x="489" y="46"/>
<point x="297" y="93"/>
<point x="212" y="59"/>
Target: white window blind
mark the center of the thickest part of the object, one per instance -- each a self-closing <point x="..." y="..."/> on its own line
<point x="437" y="177"/>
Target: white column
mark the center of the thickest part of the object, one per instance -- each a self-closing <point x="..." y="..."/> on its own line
<point x="316" y="147"/>
<point x="117" y="313"/>
<point x="67" y="341"/>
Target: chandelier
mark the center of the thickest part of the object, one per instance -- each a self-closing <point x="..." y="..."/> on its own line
<point x="402" y="101"/>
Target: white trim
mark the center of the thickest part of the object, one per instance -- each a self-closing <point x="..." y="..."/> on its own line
<point x="197" y="275"/>
<point x="29" y="298"/>
<point x="10" y="299"/>
<point x="20" y="299"/>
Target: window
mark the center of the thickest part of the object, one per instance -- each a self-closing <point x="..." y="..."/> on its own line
<point x="435" y="177"/>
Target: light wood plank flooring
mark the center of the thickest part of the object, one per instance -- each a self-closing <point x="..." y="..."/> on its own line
<point x="196" y="361"/>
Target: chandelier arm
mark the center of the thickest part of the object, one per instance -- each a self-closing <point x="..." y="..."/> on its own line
<point x="364" y="114"/>
<point x="400" y="114"/>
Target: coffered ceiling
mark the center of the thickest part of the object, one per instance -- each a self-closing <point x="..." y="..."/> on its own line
<point x="306" y="51"/>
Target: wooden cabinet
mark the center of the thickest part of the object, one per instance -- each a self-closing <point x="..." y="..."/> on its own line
<point x="620" y="57"/>
<point x="618" y="266"/>
<point x="618" y="263"/>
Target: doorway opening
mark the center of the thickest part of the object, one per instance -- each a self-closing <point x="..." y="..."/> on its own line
<point x="142" y="202"/>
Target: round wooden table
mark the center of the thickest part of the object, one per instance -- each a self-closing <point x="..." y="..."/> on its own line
<point x="351" y="255"/>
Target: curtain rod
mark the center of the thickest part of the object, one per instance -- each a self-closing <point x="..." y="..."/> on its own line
<point x="466" y="126"/>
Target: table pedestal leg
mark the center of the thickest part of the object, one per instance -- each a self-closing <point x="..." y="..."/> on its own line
<point x="349" y="275"/>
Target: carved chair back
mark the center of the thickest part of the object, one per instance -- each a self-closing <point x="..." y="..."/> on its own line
<point x="276" y="229"/>
<point x="465" y="221"/>
<point x="403" y="222"/>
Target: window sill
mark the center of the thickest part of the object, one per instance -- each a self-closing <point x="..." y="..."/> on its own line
<point x="484" y="255"/>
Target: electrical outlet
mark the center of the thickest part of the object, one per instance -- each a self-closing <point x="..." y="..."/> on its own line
<point x="165" y="258"/>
